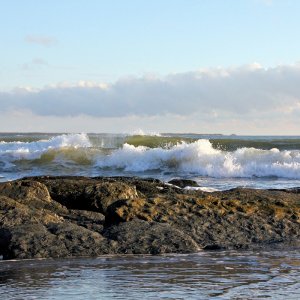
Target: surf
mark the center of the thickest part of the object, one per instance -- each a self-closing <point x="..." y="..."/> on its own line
<point x="202" y="159"/>
<point x="161" y="156"/>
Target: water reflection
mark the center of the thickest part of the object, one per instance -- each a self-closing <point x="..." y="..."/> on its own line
<point x="217" y="275"/>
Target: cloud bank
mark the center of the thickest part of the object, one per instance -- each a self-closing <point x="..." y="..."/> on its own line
<point x="228" y="96"/>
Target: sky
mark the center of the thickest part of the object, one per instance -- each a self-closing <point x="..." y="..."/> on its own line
<point x="203" y="66"/>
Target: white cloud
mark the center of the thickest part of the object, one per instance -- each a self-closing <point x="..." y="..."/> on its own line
<point x="248" y="96"/>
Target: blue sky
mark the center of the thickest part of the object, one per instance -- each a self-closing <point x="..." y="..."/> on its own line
<point x="63" y="44"/>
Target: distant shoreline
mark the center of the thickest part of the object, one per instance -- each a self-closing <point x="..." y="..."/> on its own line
<point x="162" y="133"/>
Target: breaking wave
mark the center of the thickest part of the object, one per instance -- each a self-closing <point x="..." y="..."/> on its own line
<point x="196" y="158"/>
<point x="13" y="151"/>
<point x="222" y="143"/>
<point x="201" y="159"/>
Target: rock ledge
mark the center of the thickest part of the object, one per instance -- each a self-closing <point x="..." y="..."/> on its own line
<point x="45" y="216"/>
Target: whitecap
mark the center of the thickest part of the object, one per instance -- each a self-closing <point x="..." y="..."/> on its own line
<point x="201" y="159"/>
<point x="13" y="151"/>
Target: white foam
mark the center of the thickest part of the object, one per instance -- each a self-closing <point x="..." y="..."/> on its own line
<point x="201" y="188"/>
<point x="145" y="133"/>
<point x="11" y="151"/>
<point x="196" y="159"/>
<point x="201" y="159"/>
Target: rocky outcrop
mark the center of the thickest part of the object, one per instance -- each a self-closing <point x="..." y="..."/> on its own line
<point x="78" y="216"/>
<point x="182" y="183"/>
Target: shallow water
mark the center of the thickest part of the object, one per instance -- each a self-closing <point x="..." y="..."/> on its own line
<point x="205" y="275"/>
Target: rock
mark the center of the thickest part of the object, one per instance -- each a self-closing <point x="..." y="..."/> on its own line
<point x="77" y="216"/>
<point x="14" y="213"/>
<point x="182" y="183"/>
<point x="53" y="240"/>
<point x="234" y="219"/>
<point x="137" y="236"/>
<point x="25" y="190"/>
<point x="88" y="219"/>
<point x="99" y="196"/>
<point x="88" y="194"/>
<point x="30" y="193"/>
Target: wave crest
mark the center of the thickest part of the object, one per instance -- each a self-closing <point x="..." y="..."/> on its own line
<point x="34" y="150"/>
<point x="200" y="158"/>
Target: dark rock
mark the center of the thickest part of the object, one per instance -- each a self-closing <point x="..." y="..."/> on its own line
<point x="30" y="193"/>
<point x="139" y="236"/>
<point x="89" y="219"/>
<point x="78" y="216"/>
<point x="99" y="196"/>
<point x="54" y="240"/>
<point x="87" y="193"/>
<point x="213" y="247"/>
<point x="182" y="183"/>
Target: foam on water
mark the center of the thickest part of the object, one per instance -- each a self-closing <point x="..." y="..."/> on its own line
<point x="82" y="154"/>
<point x="141" y="132"/>
<point x="12" y="151"/>
<point x="200" y="158"/>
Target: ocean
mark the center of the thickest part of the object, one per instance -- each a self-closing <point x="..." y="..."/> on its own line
<point x="216" y="162"/>
<point x="205" y="275"/>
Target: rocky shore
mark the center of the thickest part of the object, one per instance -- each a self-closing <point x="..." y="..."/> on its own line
<point x="45" y="216"/>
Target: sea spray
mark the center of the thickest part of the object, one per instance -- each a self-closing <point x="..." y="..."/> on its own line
<point x="33" y="150"/>
<point x="111" y="155"/>
<point x="200" y="158"/>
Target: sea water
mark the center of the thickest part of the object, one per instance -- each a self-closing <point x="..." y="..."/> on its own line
<point x="205" y="275"/>
<point x="216" y="162"/>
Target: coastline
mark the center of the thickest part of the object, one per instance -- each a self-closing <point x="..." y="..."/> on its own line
<point x="61" y="217"/>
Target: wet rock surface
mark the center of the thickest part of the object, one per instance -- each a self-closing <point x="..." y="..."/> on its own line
<point x="182" y="183"/>
<point x="77" y="216"/>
